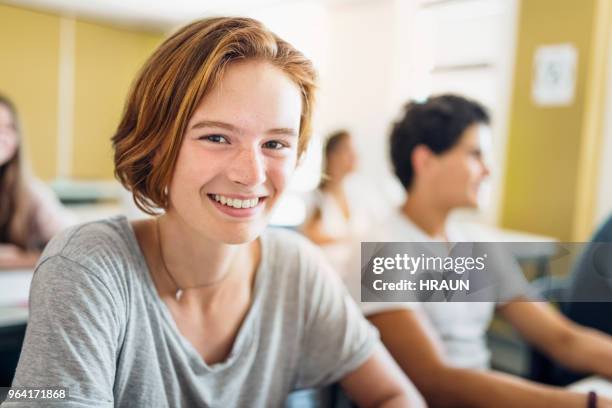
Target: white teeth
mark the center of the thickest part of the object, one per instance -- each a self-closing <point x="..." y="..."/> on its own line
<point x="235" y="202"/>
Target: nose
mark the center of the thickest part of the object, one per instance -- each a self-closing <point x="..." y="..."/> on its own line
<point x="247" y="167"/>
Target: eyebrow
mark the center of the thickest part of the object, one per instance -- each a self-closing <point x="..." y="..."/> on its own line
<point x="232" y="128"/>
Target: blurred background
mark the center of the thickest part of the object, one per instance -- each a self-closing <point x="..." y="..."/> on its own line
<point x="68" y="64"/>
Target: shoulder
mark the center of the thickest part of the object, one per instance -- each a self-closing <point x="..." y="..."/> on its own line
<point x="313" y="201"/>
<point x="39" y="190"/>
<point x="91" y="238"/>
<point x="105" y="247"/>
<point x="91" y="263"/>
<point x="284" y="245"/>
<point x="293" y="258"/>
<point x="43" y="199"/>
<point x="465" y="231"/>
<point x="392" y="227"/>
<point x="49" y="214"/>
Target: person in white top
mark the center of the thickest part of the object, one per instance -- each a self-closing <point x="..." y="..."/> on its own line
<point x="463" y="325"/>
<point x="30" y="213"/>
<point x="437" y="154"/>
<point x="336" y="219"/>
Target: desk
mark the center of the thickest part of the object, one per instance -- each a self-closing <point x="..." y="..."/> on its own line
<point x="12" y="316"/>
<point x="14" y="291"/>
<point x="15" y="287"/>
<point x="600" y="385"/>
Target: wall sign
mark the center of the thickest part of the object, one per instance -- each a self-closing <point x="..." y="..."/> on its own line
<point x="554" y="76"/>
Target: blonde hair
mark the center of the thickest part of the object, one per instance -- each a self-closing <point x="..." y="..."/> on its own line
<point x="172" y="82"/>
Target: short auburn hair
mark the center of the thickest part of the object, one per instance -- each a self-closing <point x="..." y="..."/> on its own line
<point x="173" y="81"/>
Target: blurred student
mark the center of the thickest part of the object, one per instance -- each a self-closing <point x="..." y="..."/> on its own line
<point x="591" y="279"/>
<point x="30" y="214"/>
<point x="586" y="299"/>
<point x="200" y="305"/>
<point x="437" y="151"/>
<point x="337" y="217"/>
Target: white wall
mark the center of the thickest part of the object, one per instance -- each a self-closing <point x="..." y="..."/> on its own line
<point x="358" y="88"/>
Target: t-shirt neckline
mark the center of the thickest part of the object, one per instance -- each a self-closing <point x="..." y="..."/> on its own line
<point x="248" y="328"/>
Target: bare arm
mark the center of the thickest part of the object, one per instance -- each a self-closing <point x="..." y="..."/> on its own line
<point x="13" y="257"/>
<point x="418" y="350"/>
<point x="576" y="347"/>
<point x="380" y="383"/>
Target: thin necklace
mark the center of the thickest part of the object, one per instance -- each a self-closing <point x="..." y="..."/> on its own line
<point x="179" y="291"/>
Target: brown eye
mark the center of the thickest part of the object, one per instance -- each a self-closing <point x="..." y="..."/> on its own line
<point x="220" y="139"/>
<point x="274" y="145"/>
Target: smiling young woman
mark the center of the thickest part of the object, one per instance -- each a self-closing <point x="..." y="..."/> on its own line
<point x="201" y="305"/>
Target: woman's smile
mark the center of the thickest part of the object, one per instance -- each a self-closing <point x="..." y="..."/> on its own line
<point x="237" y="206"/>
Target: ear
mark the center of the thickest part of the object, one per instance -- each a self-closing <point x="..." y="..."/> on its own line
<point x="421" y="158"/>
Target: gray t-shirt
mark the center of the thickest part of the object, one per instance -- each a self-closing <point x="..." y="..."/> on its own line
<point x="98" y="327"/>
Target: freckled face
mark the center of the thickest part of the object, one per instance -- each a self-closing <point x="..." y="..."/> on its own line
<point x="238" y="153"/>
<point x="8" y="135"/>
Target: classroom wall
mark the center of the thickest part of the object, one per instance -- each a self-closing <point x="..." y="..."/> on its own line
<point x="29" y="76"/>
<point x="549" y="148"/>
<point x="359" y="90"/>
<point x="69" y="78"/>
<point x="106" y="61"/>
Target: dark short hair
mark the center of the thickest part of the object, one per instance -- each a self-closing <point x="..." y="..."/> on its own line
<point x="437" y="123"/>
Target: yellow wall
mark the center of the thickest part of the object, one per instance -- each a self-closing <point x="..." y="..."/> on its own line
<point x="544" y="164"/>
<point x="105" y="61"/>
<point x="29" y="50"/>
